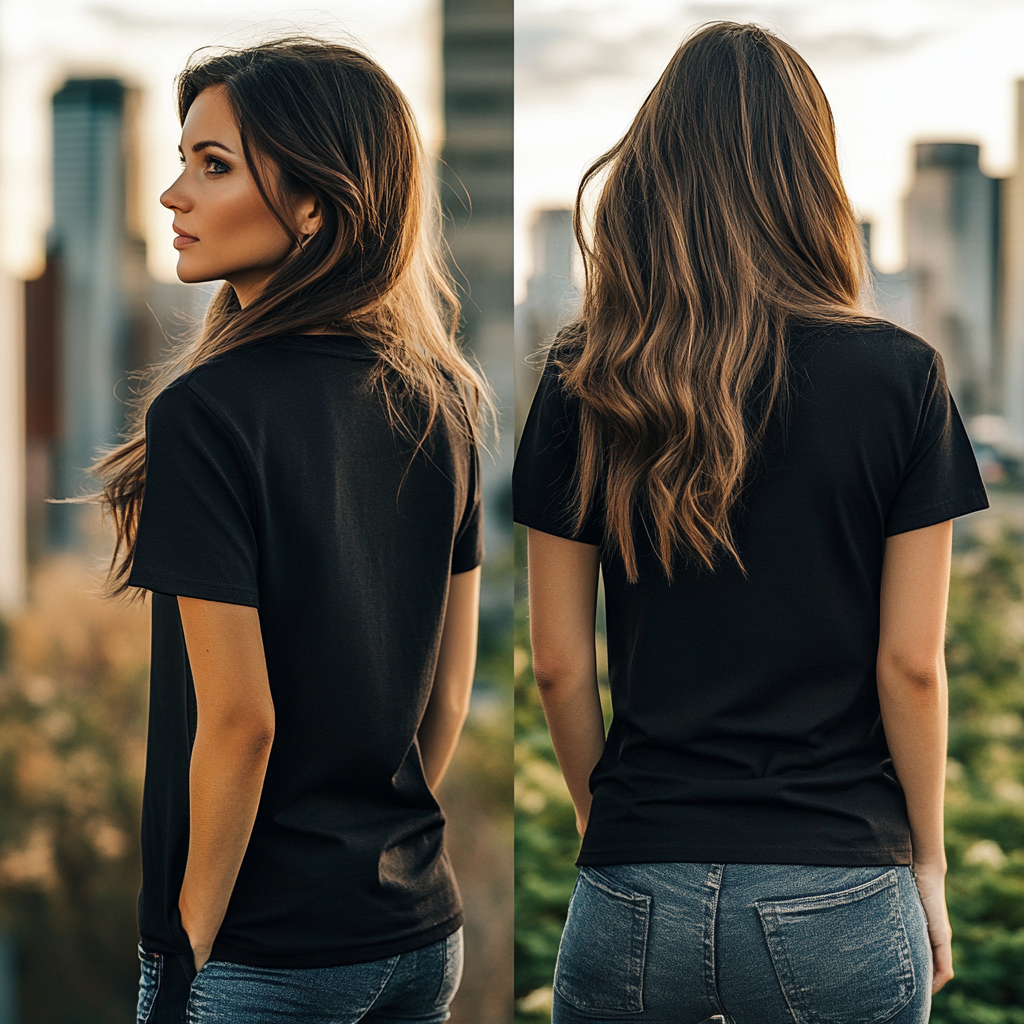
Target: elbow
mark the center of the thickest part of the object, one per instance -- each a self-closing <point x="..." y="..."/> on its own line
<point x="551" y="674"/>
<point x="250" y="737"/>
<point x="912" y="673"/>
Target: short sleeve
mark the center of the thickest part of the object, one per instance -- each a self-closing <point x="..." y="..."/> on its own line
<point x="196" y="535"/>
<point x="543" y="479"/>
<point x="468" y="549"/>
<point x="941" y="479"/>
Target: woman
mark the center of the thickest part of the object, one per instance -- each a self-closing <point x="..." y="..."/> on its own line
<point x="299" y="491"/>
<point x="766" y="476"/>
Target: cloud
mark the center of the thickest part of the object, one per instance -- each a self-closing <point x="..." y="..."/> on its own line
<point x="560" y="51"/>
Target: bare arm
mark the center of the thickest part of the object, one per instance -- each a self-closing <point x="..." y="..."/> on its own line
<point x="563" y="605"/>
<point x="234" y="734"/>
<point x="913" y="697"/>
<point x="453" y="678"/>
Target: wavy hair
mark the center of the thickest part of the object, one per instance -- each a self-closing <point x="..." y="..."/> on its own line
<point x="329" y="122"/>
<point x="722" y="217"/>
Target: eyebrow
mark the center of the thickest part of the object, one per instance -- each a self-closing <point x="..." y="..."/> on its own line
<point x="209" y="142"/>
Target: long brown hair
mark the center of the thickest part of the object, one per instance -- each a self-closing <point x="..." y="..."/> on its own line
<point x="332" y="124"/>
<point x="722" y="217"/>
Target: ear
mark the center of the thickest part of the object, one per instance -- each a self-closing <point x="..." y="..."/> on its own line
<point x="308" y="218"/>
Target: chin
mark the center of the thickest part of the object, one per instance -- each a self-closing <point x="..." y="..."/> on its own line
<point x="192" y="272"/>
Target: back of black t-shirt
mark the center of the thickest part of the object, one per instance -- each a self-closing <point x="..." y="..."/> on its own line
<point x="746" y="720"/>
<point x="275" y="479"/>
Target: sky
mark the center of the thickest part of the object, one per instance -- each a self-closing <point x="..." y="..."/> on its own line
<point x="146" y="42"/>
<point x="894" y="71"/>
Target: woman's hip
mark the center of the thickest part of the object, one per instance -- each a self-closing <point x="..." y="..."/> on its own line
<point x="758" y="943"/>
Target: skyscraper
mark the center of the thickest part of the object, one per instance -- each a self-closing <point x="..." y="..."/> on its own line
<point x="1013" y="291"/>
<point x="92" y="258"/>
<point x="551" y="299"/>
<point x="477" y="197"/>
<point x="952" y="224"/>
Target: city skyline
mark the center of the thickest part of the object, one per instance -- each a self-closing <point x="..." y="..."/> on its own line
<point x="145" y="43"/>
<point x="895" y="73"/>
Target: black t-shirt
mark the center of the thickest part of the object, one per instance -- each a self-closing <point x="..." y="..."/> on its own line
<point x="746" y="721"/>
<point x="274" y="479"/>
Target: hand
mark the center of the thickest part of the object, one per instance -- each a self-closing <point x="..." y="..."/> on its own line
<point x="931" y="884"/>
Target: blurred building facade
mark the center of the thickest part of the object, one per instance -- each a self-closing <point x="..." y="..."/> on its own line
<point x="552" y="298"/>
<point x="952" y="217"/>
<point x="476" y="177"/>
<point x="92" y="317"/>
<point x="1012" y="300"/>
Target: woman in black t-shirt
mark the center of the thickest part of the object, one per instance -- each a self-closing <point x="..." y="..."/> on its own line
<point x="765" y="476"/>
<point x="299" y="490"/>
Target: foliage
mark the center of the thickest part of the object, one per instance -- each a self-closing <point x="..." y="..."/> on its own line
<point x="985" y="793"/>
<point x="985" y="799"/>
<point x="72" y="726"/>
<point x="73" y="702"/>
<point x="546" y="842"/>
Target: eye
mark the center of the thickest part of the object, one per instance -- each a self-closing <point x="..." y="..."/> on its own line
<point x="215" y="166"/>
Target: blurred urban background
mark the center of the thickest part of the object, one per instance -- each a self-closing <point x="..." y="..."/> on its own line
<point x="88" y="298"/>
<point x="953" y="273"/>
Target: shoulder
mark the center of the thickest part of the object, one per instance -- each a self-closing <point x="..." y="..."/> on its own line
<point x="868" y="348"/>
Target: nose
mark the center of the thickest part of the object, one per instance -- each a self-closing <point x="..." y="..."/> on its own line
<point x="175" y="198"/>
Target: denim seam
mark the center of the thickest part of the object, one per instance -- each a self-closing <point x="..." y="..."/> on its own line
<point x="444" y="971"/>
<point x="384" y="984"/>
<point x="714" y="886"/>
<point x="448" y="968"/>
<point x="157" y="962"/>
<point x="903" y="946"/>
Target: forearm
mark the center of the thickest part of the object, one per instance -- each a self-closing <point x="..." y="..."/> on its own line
<point x="572" y="707"/>
<point x="915" y="714"/>
<point x="448" y="706"/>
<point x="225" y="784"/>
<point x="438" y="736"/>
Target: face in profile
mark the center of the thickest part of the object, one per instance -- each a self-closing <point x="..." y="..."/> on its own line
<point x="224" y="230"/>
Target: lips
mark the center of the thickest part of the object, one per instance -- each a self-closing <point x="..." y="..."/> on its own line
<point x="183" y="240"/>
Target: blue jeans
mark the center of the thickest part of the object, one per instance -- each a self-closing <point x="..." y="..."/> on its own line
<point x="416" y="986"/>
<point x="744" y="944"/>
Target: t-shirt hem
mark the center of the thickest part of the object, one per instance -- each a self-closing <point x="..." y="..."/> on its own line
<point x="228" y="953"/>
<point x="938" y="513"/>
<point x="187" y="586"/>
<point x="828" y="856"/>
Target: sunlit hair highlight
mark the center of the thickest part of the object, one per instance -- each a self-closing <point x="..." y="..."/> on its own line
<point x="327" y="121"/>
<point x="721" y="218"/>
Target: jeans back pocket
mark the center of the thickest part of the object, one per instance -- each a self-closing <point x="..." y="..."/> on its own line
<point x="604" y="945"/>
<point x="843" y="957"/>
<point x="152" y="965"/>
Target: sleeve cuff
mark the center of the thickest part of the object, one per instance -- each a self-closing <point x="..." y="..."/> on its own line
<point x="188" y="586"/>
<point x="918" y="519"/>
<point x="539" y="521"/>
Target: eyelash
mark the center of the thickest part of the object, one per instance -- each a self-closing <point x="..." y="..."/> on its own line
<point x="210" y="160"/>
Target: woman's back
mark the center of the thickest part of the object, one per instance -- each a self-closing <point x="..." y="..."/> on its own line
<point x="276" y="480"/>
<point x="746" y="723"/>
